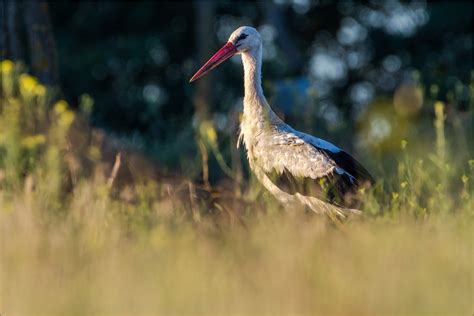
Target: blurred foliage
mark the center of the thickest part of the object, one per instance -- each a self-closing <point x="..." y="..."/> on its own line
<point x="366" y="68"/>
<point x="76" y="242"/>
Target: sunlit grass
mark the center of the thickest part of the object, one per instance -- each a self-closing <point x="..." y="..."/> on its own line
<point x="72" y="241"/>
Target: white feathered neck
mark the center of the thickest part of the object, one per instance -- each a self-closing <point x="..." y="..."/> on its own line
<point x="257" y="113"/>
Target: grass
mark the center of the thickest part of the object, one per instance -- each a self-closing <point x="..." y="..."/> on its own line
<point x="75" y="240"/>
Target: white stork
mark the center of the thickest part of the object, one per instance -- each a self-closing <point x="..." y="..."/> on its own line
<point x="295" y="167"/>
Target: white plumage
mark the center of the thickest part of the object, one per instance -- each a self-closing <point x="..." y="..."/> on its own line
<point x="295" y="167"/>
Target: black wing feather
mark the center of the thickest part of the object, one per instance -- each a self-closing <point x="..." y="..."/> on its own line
<point x="350" y="165"/>
<point x="338" y="189"/>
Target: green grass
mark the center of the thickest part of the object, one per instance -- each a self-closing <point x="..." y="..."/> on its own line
<point x="74" y="242"/>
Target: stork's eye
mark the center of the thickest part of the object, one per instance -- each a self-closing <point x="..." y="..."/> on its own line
<point x="241" y="37"/>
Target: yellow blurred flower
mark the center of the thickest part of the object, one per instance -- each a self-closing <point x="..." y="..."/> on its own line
<point x="66" y="118"/>
<point x="439" y="108"/>
<point x="28" y="84"/>
<point x="211" y="134"/>
<point x="86" y="103"/>
<point x="40" y="90"/>
<point x="6" y="66"/>
<point x="208" y="132"/>
<point x="60" y="107"/>
<point x="33" y="141"/>
<point x="94" y="153"/>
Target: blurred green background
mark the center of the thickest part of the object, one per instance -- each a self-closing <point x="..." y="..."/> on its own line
<point x="362" y="74"/>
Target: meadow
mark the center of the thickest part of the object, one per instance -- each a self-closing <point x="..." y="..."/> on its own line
<point x="80" y="236"/>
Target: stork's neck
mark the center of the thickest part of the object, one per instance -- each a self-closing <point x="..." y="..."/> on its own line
<point x="252" y="61"/>
<point x="257" y="113"/>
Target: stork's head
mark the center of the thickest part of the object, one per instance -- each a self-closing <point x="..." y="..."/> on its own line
<point x="243" y="39"/>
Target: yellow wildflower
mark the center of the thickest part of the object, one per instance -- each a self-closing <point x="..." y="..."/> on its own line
<point x="87" y="103"/>
<point x="211" y="133"/>
<point x="33" y="141"/>
<point x="439" y="108"/>
<point x="66" y="118"/>
<point x="40" y="90"/>
<point x="94" y="153"/>
<point x="27" y="84"/>
<point x="60" y="107"/>
<point x="208" y="132"/>
<point x="6" y="66"/>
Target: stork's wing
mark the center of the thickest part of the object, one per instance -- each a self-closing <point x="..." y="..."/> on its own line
<point x="301" y="163"/>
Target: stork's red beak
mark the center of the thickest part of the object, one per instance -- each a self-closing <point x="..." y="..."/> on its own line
<point x="227" y="51"/>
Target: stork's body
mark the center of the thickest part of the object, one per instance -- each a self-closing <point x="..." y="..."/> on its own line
<point x="295" y="167"/>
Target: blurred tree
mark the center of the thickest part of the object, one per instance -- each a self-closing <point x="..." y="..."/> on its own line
<point x="203" y="97"/>
<point x="9" y="35"/>
<point x="275" y="16"/>
<point x="43" y="55"/>
<point x="13" y="32"/>
<point x="39" y="38"/>
<point x="3" y="30"/>
<point x="325" y="63"/>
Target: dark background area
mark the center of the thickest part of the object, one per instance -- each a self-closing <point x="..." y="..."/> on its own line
<point x="363" y="75"/>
